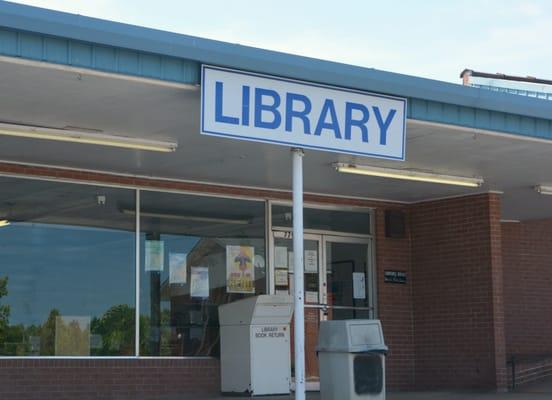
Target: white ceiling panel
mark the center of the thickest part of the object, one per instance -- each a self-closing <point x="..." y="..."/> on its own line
<point x="55" y="98"/>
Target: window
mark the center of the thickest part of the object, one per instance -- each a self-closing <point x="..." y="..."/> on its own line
<point x="196" y="253"/>
<point x="67" y="269"/>
<point x="324" y="219"/>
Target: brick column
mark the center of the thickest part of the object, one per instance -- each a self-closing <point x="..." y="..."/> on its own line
<point x="497" y="276"/>
<point x="527" y="259"/>
<point x="457" y="294"/>
<point x="395" y="305"/>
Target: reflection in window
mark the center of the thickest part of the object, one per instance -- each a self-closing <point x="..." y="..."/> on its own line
<point x="348" y="277"/>
<point x="324" y="219"/>
<point x="196" y="253"/>
<point x="67" y="270"/>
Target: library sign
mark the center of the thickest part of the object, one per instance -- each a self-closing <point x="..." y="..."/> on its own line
<point x="249" y="106"/>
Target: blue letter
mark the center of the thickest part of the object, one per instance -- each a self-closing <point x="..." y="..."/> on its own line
<point x="322" y="124"/>
<point x="260" y="107"/>
<point x="384" y="125"/>
<point x="302" y="115"/>
<point x="361" y="123"/>
<point x="245" y="105"/>
<point x="218" y="107"/>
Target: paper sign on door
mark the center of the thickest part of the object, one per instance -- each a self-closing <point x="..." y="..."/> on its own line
<point x="311" y="261"/>
<point x="359" y="285"/>
<point x="280" y="257"/>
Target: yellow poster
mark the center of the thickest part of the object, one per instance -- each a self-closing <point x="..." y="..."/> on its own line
<point x="240" y="273"/>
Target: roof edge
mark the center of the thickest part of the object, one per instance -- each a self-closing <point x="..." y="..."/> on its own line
<point x="108" y="33"/>
<point x="505" y="77"/>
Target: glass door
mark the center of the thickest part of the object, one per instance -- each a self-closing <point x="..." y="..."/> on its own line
<point x="315" y="294"/>
<point x="338" y="281"/>
<point x="349" y="278"/>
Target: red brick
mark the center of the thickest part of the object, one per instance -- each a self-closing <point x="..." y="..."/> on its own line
<point x="457" y="294"/>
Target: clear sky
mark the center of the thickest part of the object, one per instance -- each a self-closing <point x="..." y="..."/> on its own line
<point x="430" y="38"/>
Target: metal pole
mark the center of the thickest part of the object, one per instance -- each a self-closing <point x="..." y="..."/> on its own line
<point x="137" y="278"/>
<point x="299" y="313"/>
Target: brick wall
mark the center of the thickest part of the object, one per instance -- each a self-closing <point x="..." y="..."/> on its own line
<point x="457" y="280"/>
<point x="395" y="306"/>
<point x="144" y="379"/>
<point x="527" y="258"/>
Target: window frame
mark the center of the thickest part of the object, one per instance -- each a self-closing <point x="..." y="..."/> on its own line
<point x="268" y="203"/>
<point x="137" y="195"/>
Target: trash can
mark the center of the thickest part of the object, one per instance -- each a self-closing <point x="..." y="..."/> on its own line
<point x="255" y="345"/>
<point x="351" y="355"/>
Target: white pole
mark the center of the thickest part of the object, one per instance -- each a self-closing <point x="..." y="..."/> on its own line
<point x="299" y="313"/>
<point x="137" y="277"/>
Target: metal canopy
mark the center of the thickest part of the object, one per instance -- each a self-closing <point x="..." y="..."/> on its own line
<point x="30" y="33"/>
<point x="40" y="95"/>
<point x="113" y="35"/>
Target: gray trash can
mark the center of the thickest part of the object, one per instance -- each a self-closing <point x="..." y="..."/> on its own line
<point x="351" y="356"/>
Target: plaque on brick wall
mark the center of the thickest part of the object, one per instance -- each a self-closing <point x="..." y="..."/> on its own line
<point x="394" y="277"/>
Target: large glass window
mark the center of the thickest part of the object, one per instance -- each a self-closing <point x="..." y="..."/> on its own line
<point x="67" y="269"/>
<point x="196" y="253"/>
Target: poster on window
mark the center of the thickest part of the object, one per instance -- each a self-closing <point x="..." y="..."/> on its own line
<point x="359" y="285"/>
<point x="311" y="297"/>
<point x="281" y="277"/>
<point x="240" y="274"/>
<point x="280" y="257"/>
<point x="290" y="261"/>
<point x="72" y="336"/>
<point x="311" y="261"/>
<point x="199" y="282"/>
<point x="155" y="255"/>
<point x="177" y="268"/>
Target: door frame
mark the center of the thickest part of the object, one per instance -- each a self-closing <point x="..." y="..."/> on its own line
<point x="323" y="237"/>
<point x="371" y="281"/>
<point x="288" y="234"/>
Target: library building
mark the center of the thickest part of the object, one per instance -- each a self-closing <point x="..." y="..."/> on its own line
<point x="146" y="185"/>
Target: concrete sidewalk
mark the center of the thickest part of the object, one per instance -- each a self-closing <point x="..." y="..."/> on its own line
<point x="536" y="391"/>
<point x="525" y="395"/>
<point x="468" y="396"/>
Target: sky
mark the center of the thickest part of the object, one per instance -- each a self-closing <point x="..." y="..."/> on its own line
<point x="431" y="38"/>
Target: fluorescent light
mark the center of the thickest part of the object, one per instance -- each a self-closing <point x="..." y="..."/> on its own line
<point x="187" y="217"/>
<point x="4" y="222"/>
<point x="71" y="135"/>
<point x="543" y="189"/>
<point x="408" y="175"/>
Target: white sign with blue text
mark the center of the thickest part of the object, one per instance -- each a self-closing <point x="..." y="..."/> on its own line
<point x="249" y="106"/>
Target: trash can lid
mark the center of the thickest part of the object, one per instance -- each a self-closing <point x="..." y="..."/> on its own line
<point x="351" y="336"/>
